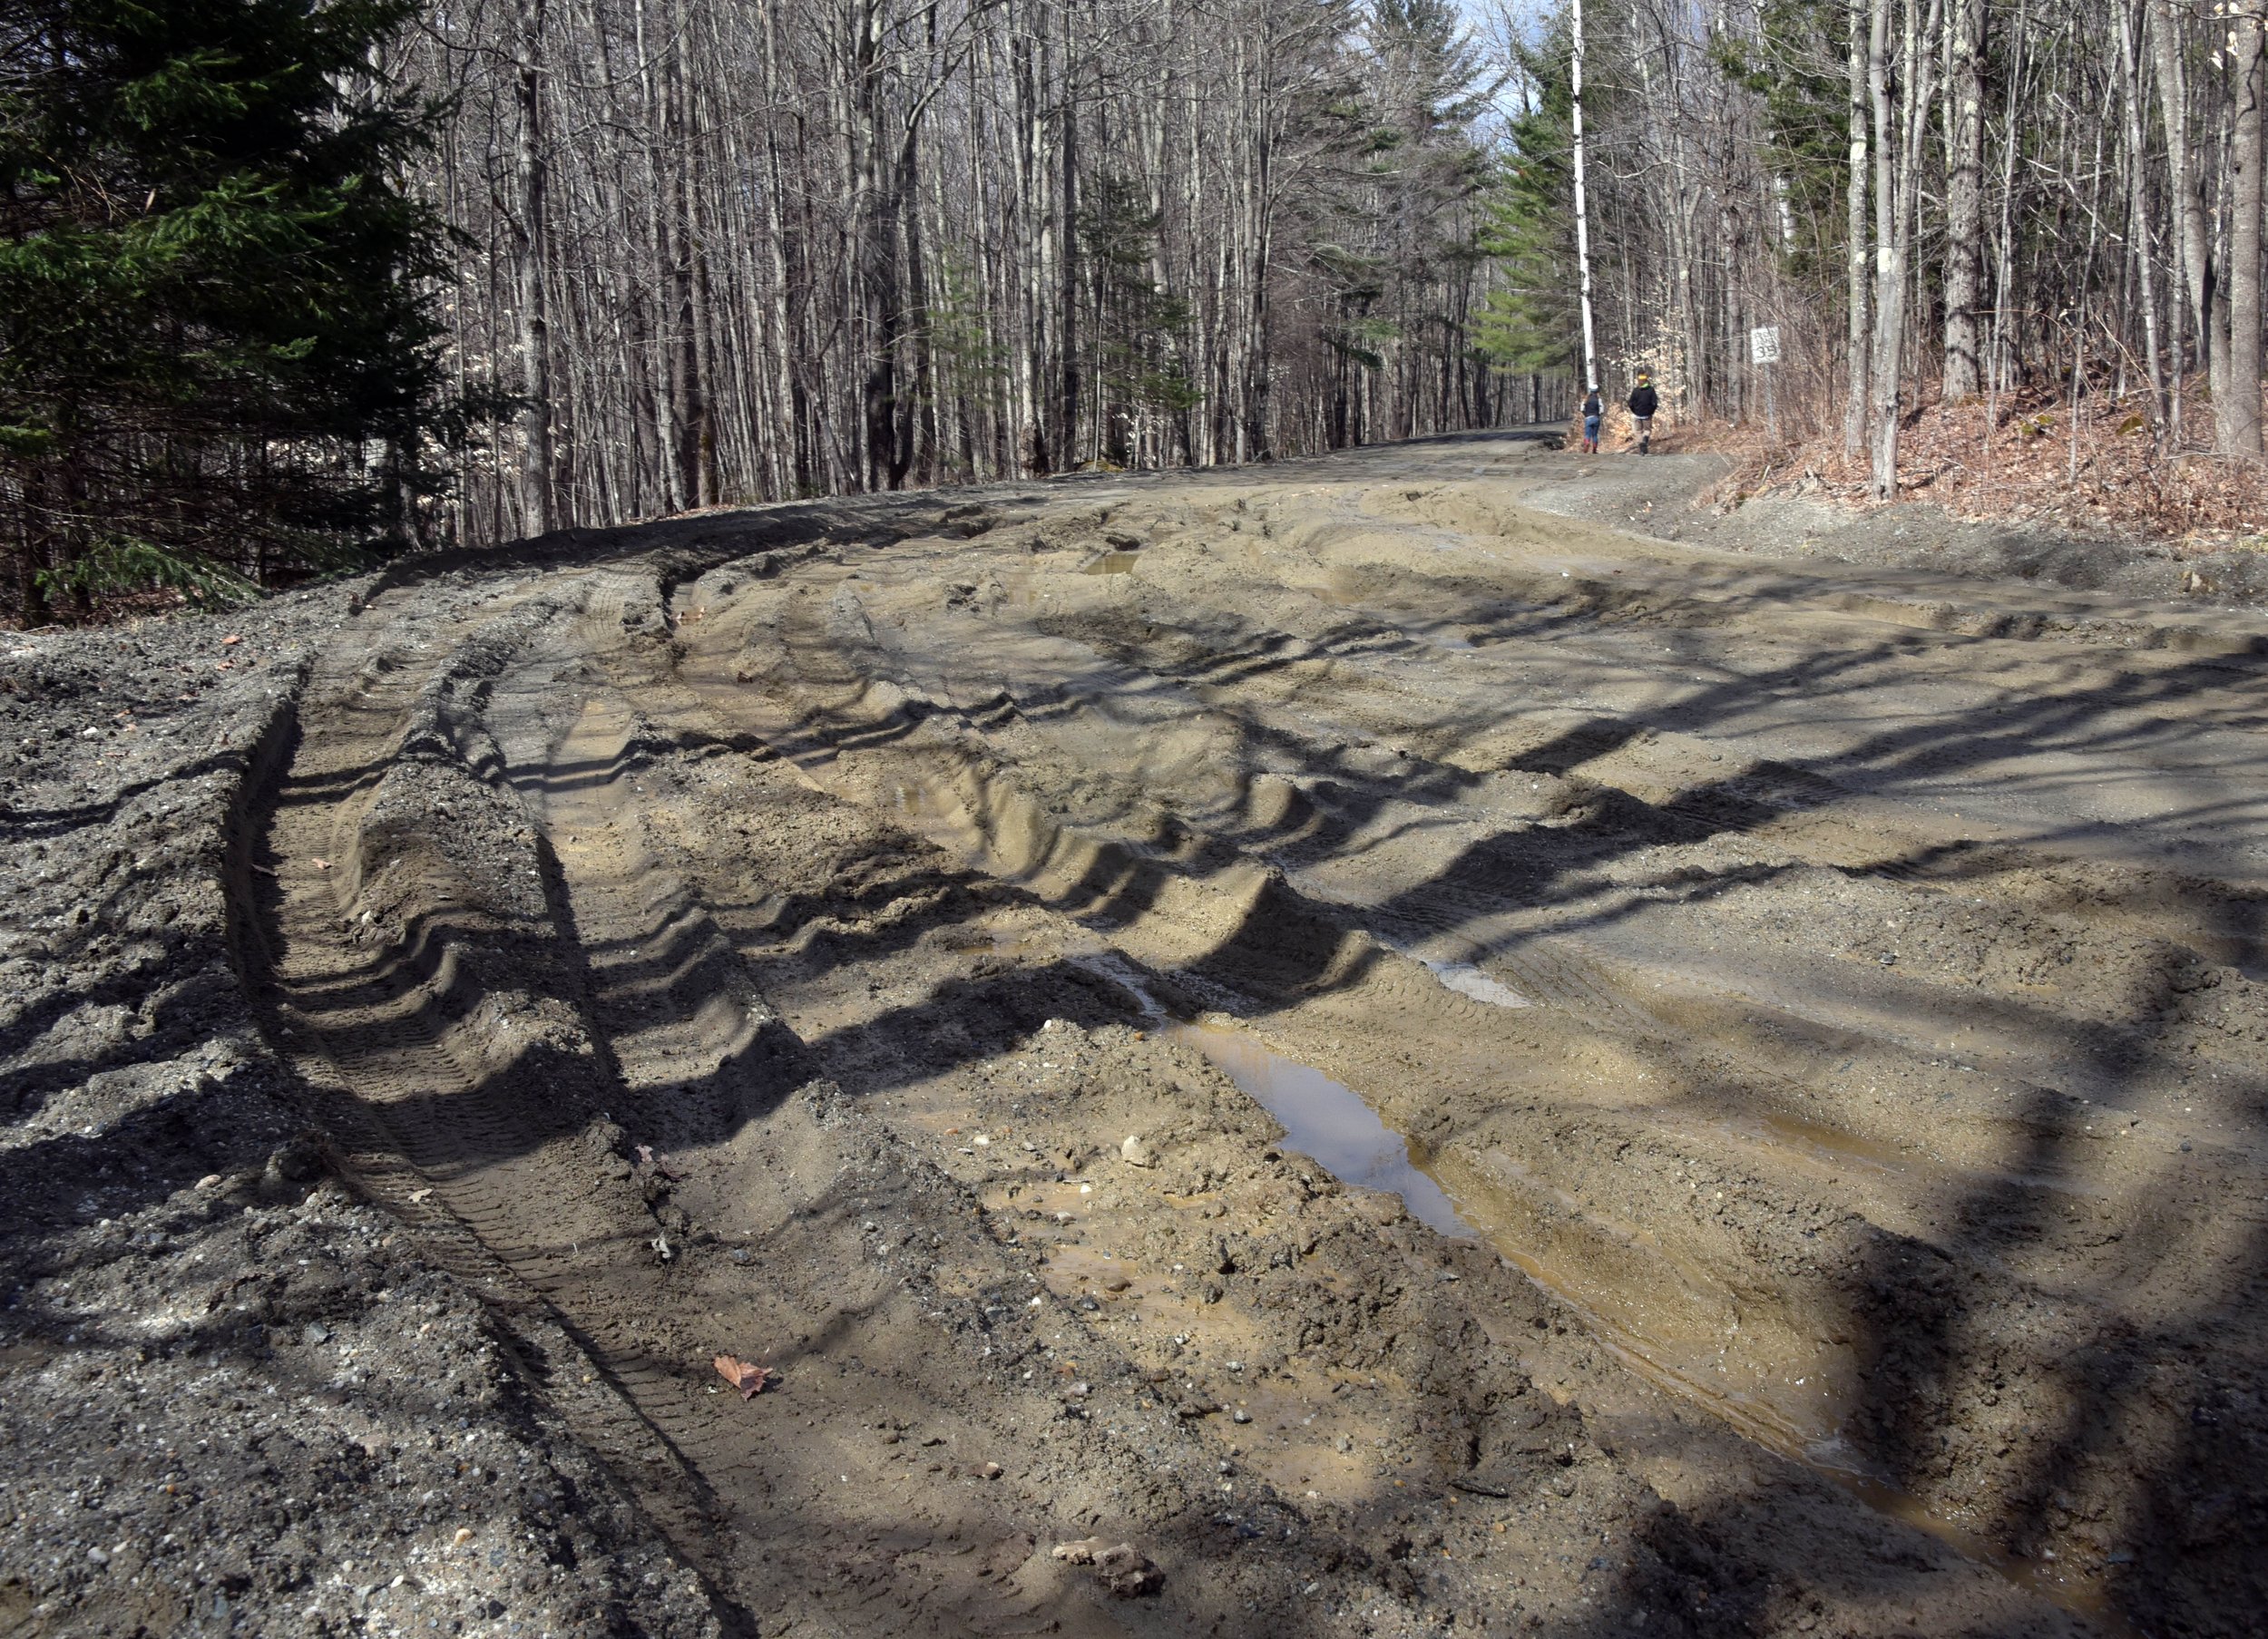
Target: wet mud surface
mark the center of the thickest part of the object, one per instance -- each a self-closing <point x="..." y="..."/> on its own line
<point x="1423" y="1064"/>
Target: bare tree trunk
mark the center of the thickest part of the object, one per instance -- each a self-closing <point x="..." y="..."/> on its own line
<point x="1854" y="407"/>
<point x="2192" y="250"/>
<point x="2236" y="405"/>
<point x="918" y="435"/>
<point x="1964" y="198"/>
<point x="1895" y="171"/>
<point x="1036" y="227"/>
<point x="661" y="356"/>
<point x="790" y="461"/>
<point x="530" y="249"/>
<point x="1889" y="274"/>
<point x="1067" y="274"/>
<point x="2138" y="214"/>
<point x="1582" y="211"/>
<point x="874" y="251"/>
<point x="32" y="550"/>
<point x="698" y="305"/>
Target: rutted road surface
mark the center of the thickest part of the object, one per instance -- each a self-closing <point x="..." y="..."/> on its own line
<point x="1822" y="1005"/>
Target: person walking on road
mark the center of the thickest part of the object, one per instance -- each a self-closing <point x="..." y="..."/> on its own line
<point x="1644" y="402"/>
<point x="1594" y="412"/>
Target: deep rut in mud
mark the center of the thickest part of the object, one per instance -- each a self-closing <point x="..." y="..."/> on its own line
<point x="1829" y="997"/>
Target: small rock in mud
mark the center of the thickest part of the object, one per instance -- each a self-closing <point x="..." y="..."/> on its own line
<point x="1377" y="1205"/>
<point x="1120" y="1567"/>
<point x="1138" y="1151"/>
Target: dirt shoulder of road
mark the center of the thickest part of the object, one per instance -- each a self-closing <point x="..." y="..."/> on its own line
<point x="237" y="1398"/>
<point x="1693" y="497"/>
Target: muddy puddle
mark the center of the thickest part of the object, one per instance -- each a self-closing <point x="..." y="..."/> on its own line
<point x="1327" y="1121"/>
<point x="1795" y="1411"/>
<point x="1794" y="1407"/>
<point x="1323" y="1119"/>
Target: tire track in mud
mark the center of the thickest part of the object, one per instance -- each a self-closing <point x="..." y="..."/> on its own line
<point x="369" y="1035"/>
<point x="410" y="1110"/>
<point x="1487" y="912"/>
<point x="514" y="1177"/>
<point x="956" y="775"/>
<point x="971" y="803"/>
<point x="880" y="744"/>
<point x="522" y="961"/>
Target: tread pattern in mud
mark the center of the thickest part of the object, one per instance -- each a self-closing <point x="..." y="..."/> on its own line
<point x="1876" y="1076"/>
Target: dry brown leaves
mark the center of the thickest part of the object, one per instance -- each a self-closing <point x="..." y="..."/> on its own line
<point x="751" y="1380"/>
<point x="2025" y="467"/>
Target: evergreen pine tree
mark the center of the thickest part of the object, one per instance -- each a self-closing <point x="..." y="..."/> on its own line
<point x="216" y="357"/>
<point x="1138" y="326"/>
<point x="1793" y="62"/>
<point x="1530" y="322"/>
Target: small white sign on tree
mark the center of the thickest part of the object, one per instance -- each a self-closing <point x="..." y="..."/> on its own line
<point x="1764" y="344"/>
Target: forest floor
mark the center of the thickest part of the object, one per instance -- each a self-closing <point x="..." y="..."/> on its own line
<point x="1423" y="1060"/>
<point x="2105" y="510"/>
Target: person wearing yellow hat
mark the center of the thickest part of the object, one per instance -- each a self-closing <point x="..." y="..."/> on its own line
<point x="1644" y="402"/>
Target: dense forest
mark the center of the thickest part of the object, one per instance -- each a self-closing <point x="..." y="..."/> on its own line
<point x="733" y="251"/>
<point x="284" y="282"/>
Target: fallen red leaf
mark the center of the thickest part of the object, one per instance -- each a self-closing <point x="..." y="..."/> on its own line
<point x="231" y="642"/>
<point x="751" y="1380"/>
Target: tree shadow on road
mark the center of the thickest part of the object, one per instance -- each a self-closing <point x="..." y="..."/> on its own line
<point x="2134" y="1384"/>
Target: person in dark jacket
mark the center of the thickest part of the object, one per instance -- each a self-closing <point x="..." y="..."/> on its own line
<point x="1594" y="412"/>
<point x="1644" y="402"/>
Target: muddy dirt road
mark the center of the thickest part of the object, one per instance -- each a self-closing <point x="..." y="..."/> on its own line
<point x="1425" y="1064"/>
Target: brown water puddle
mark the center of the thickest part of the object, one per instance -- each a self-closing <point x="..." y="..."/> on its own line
<point x="1668" y="1321"/>
<point x="1327" y="1121"/>
<point x="1789" y="1406"/>
<point x="1794" y="1411"/>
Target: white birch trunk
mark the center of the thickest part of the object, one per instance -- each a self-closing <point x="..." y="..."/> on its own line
<point x="1854" y="405"/>
<point x="2236" y="407"/>
<point x="1582" y="211"/>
